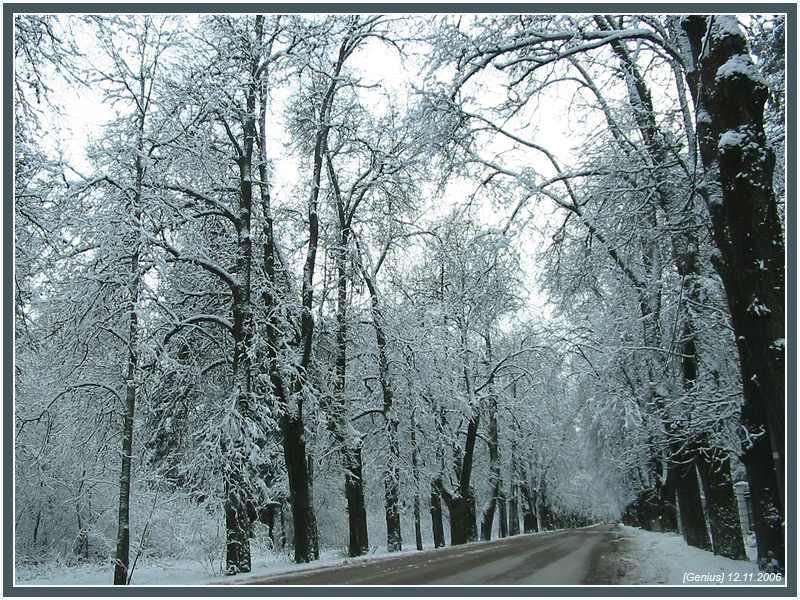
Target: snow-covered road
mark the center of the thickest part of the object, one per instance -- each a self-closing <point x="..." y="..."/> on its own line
<point x="569" y="557"/>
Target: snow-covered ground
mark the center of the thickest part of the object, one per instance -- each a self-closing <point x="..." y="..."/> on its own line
<point x="649" y="558"/>
<point x="166" y="572"/>
<point x="644" y="558"/>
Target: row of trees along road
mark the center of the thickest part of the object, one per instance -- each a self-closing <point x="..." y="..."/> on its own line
<point x="324" y="265"/>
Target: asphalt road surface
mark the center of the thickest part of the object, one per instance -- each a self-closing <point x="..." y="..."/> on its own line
<point x="567" y="557"/>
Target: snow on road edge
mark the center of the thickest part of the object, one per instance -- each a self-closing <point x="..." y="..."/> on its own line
<point x="649" y="558"/>
<point x="644" y="558"/>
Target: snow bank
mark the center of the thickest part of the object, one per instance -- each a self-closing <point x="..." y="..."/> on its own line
<point x="665" y="559"/>
<point x="176" y="572"/>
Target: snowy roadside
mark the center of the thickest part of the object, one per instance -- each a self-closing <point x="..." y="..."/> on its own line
<point x="175" y="572"/>
<point x="642" y="558"/>
<point x="648" y="558"/>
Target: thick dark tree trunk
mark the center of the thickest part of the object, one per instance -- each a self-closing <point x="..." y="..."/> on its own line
<point x="268" y="519"/>
<point x="503" y="516"/>
<point x="494" y="466"/>
<point x="300" y="496"/>
<point x="350" y="449"/>
<point x="394" y="535"/>
<point x="534" y="514"/>
<point x="514" y="492"/>
<point x="723" y="509"/>
<point x="123" y="523"/>
<point x="461" y="504"/>
<point x="472" y="516"/>
<point x="459" y="530"/>
<point x="437" y="520"/>
<point x="692" y="515"/>
<point x="415" y="476"/>
<point x="513" y="511"/>
<point x="237" y="541"/>
<point x="356" y="506"/>
<point x="684" y="247"/>
<point x="488" y="518"/>
<point x="417" y="522"/>
<point x="237" y="520"/>
<point x="292" y="428"/>
<point x="391" y="475"/>
<point x="767" y="517"/>
<point x="291" y="422"/>
<point x="739" y="166"/>
<point x="529" y="524"/>
<point x="463" y="524"/>
<point x="747" y="229"/>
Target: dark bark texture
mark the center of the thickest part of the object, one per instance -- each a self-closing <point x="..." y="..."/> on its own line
<point x="305" y="524"/>
<point x="739" y="164"/>
<point x="693" y="520"/>
<point x="729" y="97"/>
<point x="461" y="505"/>
<point x="437" y="522"/>
<point x="358" y="543"/>
<point x="723" y="511"/>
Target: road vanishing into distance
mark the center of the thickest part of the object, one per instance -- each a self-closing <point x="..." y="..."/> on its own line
<point x="564" y="557"/>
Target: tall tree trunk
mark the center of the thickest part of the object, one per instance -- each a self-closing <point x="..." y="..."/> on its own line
<point x="121" y="562"/>
<point x="122" y="557"/>
<point x="472" y="515"/>
<point x="417" y="522"/>
<point x="463" y="527"/>
<point x="684" y="250"/>
<point x="531" y="511"/>
<point x="292" y="426"/>
<point x="415" y="477"/>
<point x="461" y="503"/>
<point x="503" y="515"/>
<point x="693" y="521"/>
<point x="723" y="509"/>
<point x="767" y="517"/>
<point x="463" y="524"/>
<point x="495" y="481"/>
<point x="237" y="522"/>
<point x="291" y="422"/>
<point x="394" y="536"/>
<point x="729" y="98"/>
<point x="237" y="541"/>
<point x="513" y="510"/>
<point x="437" y="520"/>
<point x="289" y="395"/>
<point x="514" y="492"/>
<point x="356" y="506"/>
<point x="348" y="442"/>
<point x="300" y="495"/>
<point x="391" y="476"/>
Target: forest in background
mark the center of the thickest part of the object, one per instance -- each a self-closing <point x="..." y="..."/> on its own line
<point x="346" y="281"/>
